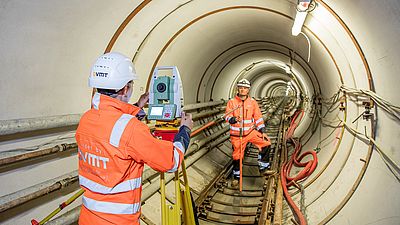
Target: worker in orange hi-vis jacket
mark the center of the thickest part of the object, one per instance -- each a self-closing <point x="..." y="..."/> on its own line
<point x="113" y="146"/>
<point x="246" y="121"/>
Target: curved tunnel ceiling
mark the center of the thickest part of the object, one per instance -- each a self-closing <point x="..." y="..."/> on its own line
<point x="220" y="54"/>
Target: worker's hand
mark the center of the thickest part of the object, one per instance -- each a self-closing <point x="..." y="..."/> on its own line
<point x="186" y="119"/>
<point x="143" y="100"/>
<point x="239" y="119"/>
<point x="232" y="120"/>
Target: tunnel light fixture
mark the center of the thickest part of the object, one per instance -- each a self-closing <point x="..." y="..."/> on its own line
<point x="301" y="15"/>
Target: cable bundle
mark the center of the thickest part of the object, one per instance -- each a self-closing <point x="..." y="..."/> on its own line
<point x="387" y="106"/>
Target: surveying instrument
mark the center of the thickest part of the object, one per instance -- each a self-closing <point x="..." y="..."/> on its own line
<point x="165" y="107"/>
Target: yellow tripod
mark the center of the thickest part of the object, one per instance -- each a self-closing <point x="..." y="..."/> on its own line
<point x="171" y="212"/>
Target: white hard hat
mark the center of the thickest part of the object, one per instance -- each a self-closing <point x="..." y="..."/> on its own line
<point x="112" y="71"/>
<point x="243" y="83"/>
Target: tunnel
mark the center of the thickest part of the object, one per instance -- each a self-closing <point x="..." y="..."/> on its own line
<point x="340" y="71"/>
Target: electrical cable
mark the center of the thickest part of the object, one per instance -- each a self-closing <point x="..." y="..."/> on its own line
<point x="392" y="109"/>
<point x="390" y="163"/>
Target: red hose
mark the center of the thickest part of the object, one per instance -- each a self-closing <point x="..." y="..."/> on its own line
<point x="309" y="167"/>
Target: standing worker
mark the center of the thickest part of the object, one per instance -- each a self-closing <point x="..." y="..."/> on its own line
<point x="113" y="146"/>
<point x="246" y="125"/>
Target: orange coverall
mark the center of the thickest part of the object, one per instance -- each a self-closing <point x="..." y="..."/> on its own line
<point x="113" y="147"/>
<point x="250" y="118"/>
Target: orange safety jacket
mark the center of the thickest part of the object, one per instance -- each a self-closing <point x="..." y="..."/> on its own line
<point x="113" y="147"/>
<point x="249" y="113"/>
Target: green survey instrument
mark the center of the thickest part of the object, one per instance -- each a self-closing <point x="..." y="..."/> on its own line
<point x="165" y="94"/>
<point x="165" y="102"/>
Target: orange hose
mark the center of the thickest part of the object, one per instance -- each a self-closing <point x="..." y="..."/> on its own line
<point x="309" y="167"/>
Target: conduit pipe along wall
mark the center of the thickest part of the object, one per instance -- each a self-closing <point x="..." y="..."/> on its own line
<point x="211" y="42"/>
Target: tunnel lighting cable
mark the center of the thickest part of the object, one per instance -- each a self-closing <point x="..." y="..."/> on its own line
<point x="316" y="110"/>
<point x="295" y="159"/>
<point x="390" y="163"/>
<point x="332" y="101"/>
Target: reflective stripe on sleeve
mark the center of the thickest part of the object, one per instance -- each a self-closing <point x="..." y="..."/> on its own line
<point x="96" y="101"/>
<point x="176" y="161"/>
<point x="110" y="207"/>
<point x="228" y="118"/>
<point x="260" y="126"/>
<point x="259" y="120"/>
<point x="178" y="145"/>
<point x="119" y="128"/>
<point x="125" y="186"/>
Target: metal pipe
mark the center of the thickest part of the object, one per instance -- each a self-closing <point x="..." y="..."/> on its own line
<point x="38" y="190"/>
<point x="39" y="153"/>
<point x="200" y="143"/>
<point x="207" y="113"/>
<point x="22" y="196"/>
<point x="203" y="105"/>
<point x="72" y="216"/>
<point x="8" y="127"/>
<point x="66" y="146"/>
<point x="14" y="126"/>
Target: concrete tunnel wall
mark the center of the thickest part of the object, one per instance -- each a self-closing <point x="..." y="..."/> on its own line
<point x="47" y="55"/>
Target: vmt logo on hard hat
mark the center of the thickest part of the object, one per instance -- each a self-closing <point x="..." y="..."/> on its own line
<point x="100" y="74"/>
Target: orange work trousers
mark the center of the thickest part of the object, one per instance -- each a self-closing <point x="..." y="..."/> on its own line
<point x="253" y="137"/>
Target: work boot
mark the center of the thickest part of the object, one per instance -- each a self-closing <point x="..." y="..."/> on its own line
<point x="262" y="163"/>
<point x="235" y="178"/>
<point x="235" y="174"/>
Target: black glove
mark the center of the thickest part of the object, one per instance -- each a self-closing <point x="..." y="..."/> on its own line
<point x="232" y="120"/>
<point x="141" y="114"/>
<point x="263" y="130"/>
